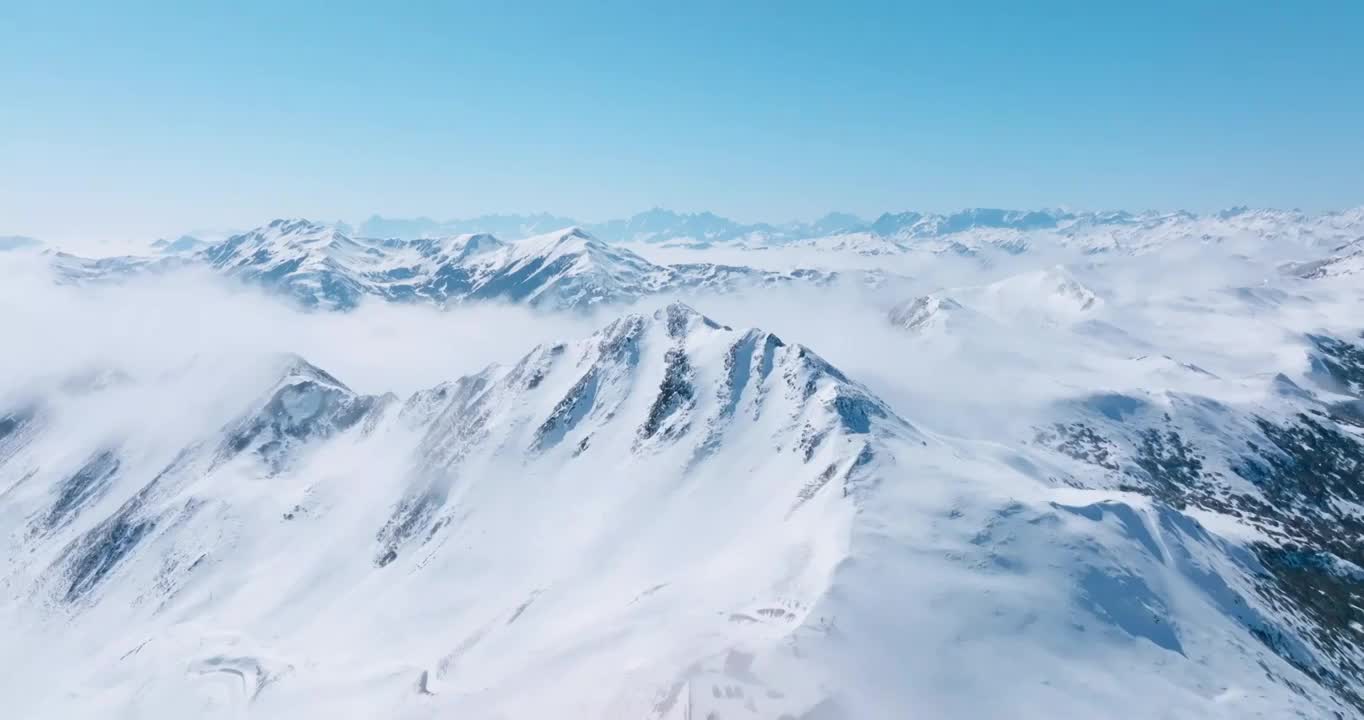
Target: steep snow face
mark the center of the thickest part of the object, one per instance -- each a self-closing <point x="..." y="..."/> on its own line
<point x="668" y="518"/>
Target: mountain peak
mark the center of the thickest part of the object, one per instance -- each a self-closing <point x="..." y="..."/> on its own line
<point x="294" y="225"/>
<point x="923" y="312"/>
<point x="1054" y="292"/>
<point x="681" y="319"/>
<point x="575" y="232"/>
<point x="570" y="235"/>
<point x="572" y="240"/>
<point x="292" y="367"/>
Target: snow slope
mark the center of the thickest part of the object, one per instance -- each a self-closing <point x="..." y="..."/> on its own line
<point x="669" y="518"/>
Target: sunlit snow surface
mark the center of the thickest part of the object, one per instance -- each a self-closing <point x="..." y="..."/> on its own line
<point x="1110" y="471"/>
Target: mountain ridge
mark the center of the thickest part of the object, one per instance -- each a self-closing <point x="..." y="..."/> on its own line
<point x="671" y="466"/>
<point x="320" y="266"/>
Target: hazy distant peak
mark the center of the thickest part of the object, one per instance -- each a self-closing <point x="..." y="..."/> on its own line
<point x="18" y="242"/>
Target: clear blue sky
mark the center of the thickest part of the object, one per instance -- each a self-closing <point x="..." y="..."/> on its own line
<point x="143" y="118"/>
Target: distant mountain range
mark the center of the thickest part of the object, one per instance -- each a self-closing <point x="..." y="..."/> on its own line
<point x="660" y="225"/>
<point x="334" y="266"/>
<point x="323" y="267"/>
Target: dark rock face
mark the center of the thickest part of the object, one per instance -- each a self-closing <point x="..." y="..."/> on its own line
<point x="412" y="515"/>
<point x="738" y="371"/>
<point x="1167" y="464"/>
<point x="856" y="411"/>
<point x="1338" y="364"/>
<point x="675" y="394"/>
<point x="450" y="281"/>
<point x="102" y="549"/>
<point x="15" y="421"/>
<point x="620" y="340"/>
<point x="615" y="358"/>
<point x="297" y="412"/>
<point x="1079" y="442"/>
<point x="569" y="411"/>
<point x="81" y="488"/>
<point x="93" y="556"/>
<point x="15" y="426"/>
<point x="679" y="319"/>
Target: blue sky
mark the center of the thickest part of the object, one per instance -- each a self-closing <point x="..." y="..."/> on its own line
<point x="139" y="118"/>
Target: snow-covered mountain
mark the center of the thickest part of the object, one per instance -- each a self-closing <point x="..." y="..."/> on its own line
<point x="620" y="450"/>
<point x="650" y="226"/>
<point x="1051" y="295"/>
<point x="932" y="313"/>
<point x="1289" y="470"/>
<point x="327" y="266"/>
<point x="674" y="518"/>
<point x="1013" y="232"/>
<point x="76" y="269"/>
<point x="658" y="225"/>
<point x="321" y="266"/>
<point x="963" y="232"/>
<point x="1064" y="466"/>
<point x="182" y="244"/>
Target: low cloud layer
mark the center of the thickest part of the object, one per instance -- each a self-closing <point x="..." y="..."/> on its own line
<point x="1224" y="313"/>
